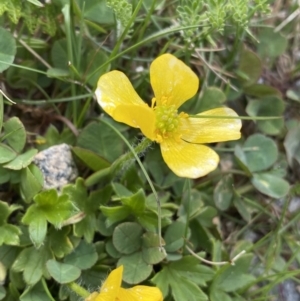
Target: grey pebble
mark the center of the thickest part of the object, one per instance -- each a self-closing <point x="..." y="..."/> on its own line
<point x="57" y="165"/>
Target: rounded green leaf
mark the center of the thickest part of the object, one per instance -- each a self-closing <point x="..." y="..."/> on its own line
<point x="6" y="153"/>
<point x="270" y="185"/>
<point x="15" y="133"/>
<point x="111" y="250"/>
<point x="174" y="237"/>
<point x="61" y="272"/>
<point x="151" y="251"/>
<point x="260" y="152"/>
<point x="267" y="106"/>
<point x="127" y="237"/>
<point x="211" y="98"/>
<point x="271" y="44"/>
<point x="292" y="145"/>
<point x="223" y="192"/>
<point x="22" y="161"/>
<point x="83" y="257"/>
<point x="7" y="49"/>
<point x="136" y="269"/>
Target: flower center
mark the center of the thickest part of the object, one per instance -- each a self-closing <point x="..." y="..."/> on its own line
<point x="167" y="121"/>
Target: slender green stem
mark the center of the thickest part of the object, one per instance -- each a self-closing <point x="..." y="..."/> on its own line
<point x="80" y="291"/>
<point x="187" y="188"/>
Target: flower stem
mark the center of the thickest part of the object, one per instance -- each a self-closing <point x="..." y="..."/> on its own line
<point x="80" y="291"/>
<point x="109" y="172"/>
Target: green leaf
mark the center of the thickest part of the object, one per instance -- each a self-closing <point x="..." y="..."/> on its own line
<point x="2" y="289"/>
<point x="90" y="159"/>
<point x="217" y="295"/>
<point x="260" y="153"/>
<point x="152" y="254"/>
<point x="4" y="175"/>
<point x="223" y="193"/>
<point x="250" y="67"/>
<point x="15" y="133"/>
<point x="120" y="190"/>
<point x="62" y="272"/>
<point x="48" y="207"/>
<point x="271" y="43"/>
<point x="60" y="242"/>
<point x="292" y="145"/>
<point x="36" y="2"/>
<point x="86" y="228"/>
<point x="115" y="214"/>
<point x="136" y="269"/>
<point x="182" y="277"/>
<point x="127" y="237"/>
<point x="267" y="106"/>
<point x="190" y="268"/>
<point x="22" y="161"/>
<point x="83" y="257"/>
<point x="36" y="293"/>
<point x="59" y="54"/>
<point x="32" y="263"/>
<point x="89" y="205"/>
<point x="102" y="140"/>
<point x="174" y="236"/>
<point x="206" y="216"/>
<point x="38" y="230"/>
<point x="6" y="211"/>
<point x="98" y="57"/>
<point x="8" y="49"/>
<point x="97" y="11"/>
<point x="8" y="255"/>
<point x="270" y="185"/>
<point x="6" y="153"/>
<point x="260" y="91"/>
<point x="135" y="202"/>
<point x="233" y="277"/>
<point x="242" y="209"/>
<point x="1" y="112"/>
<point x="9" y="235"/>
<point x="32" y="182"/>
<point x="111" y="250"/>
<point x="211" y="98"/>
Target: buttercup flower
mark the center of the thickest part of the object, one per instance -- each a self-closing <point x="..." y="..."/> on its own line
<point x="180" y="136"/>
<point x="111" y="290"/>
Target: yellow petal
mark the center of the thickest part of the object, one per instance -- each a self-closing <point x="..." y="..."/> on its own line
<point x="138" y="117"/>
<point x="140" y="293"/>
<point x="172" y="81"/>
<point x="110" y="288"/>
<point x="208" y="130"/>
<point x="188" y="160"/>
<point x="92" y="297"/>
<point x="114" y="89"/>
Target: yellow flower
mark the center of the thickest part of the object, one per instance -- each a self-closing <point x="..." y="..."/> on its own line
<point x="180" y="136"/>
<point x="111" y="290"/>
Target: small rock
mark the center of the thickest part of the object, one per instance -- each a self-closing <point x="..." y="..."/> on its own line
<point x="57" y="166"/>
<point x="286" y="291"/>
